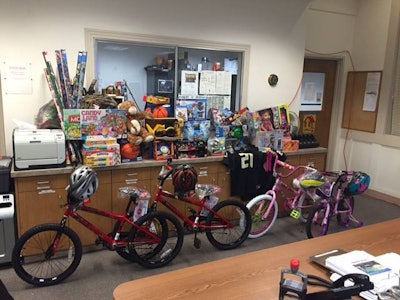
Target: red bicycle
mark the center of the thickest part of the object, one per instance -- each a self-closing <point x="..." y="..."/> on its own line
<point x="49" y="253"/>
<point x="226" y="223"/>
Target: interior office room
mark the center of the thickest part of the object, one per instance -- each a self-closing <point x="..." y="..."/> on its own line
<point x="274" y="37"/>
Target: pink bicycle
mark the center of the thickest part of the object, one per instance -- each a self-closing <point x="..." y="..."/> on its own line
<point x="299" y="199"/>
<point x="337" y="200"/>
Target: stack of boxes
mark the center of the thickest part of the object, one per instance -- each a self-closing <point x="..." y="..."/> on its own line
<point x="100" y="151"/>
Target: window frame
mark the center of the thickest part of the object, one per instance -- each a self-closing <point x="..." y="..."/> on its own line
<point x="94" y="35"/>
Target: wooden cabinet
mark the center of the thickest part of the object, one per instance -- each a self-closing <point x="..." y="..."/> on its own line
<point x="101" y="200"/>
<point x="40" y="199"/>
<point x="134" y="177"/>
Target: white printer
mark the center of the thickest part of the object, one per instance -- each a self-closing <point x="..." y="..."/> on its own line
<point x="38" y="148"/>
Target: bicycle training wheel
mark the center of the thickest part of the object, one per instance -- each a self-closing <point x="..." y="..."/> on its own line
<point x="232" y="223"/>
<point x="315" y="226"/>
<point x="261" y="223"/>
<point x="156" y="241"/>
<point x="35" y="260"/>
<point x="305" y="206"/>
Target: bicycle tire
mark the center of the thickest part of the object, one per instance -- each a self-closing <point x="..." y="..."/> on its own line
<point x="226" y="238"/>
<point x="29" y="255"/>
<point x="143" y="250"/>
<point x="346" y="203"/>
<point x="314" y="225"/>
<point x="305" y="206"/>
<point x="260" y="226"/>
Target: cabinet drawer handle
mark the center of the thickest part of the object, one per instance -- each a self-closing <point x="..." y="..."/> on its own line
<point x="43" y="182"/>
<point x="48" y="191"/>
<point x="202" y="168"/>
<point x="45" y="187"/>
<point x="131" y="181"/>
<point x="132" y="174"/>
<point x="203" y="173"/>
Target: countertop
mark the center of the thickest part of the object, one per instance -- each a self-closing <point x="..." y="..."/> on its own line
<point x="143" y="164"/>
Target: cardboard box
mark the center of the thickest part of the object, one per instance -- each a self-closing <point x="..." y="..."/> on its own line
<point x="163" y="149"/>
<point x="163" y="127"/>
<point x="290" y="145"/>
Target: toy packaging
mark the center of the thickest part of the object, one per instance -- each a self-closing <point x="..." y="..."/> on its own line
<point x="163" y="149"/>
<point x="272" y="118"/>
<point x="164" y="127"/>
<point x="269" y="139"/>
<point x="196" y="108"/>
<point x="85" y="122"/>
<point x="196" y="130"/>
<point x="98" y="151"/>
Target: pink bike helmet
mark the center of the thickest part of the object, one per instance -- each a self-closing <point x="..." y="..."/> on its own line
<point x="83" y="183"/>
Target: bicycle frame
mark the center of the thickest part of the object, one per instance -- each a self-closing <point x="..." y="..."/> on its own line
<point x="280" y="185"/>
<point x="331" y="201"/>
<point x="113" y="240"/>
<point x="162" y="195"/>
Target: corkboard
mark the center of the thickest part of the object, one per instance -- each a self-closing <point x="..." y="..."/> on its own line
<point x="354" y="115"/>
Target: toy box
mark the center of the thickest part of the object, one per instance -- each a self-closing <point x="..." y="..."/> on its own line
<point x="164" y="127"/>
<point x="163" y="149"/>
<point x="196" y="130"/>
<point x="269" y="139"/>
<point x="189" y="149"/>
<point x="196" y="109"/>
<point x="84" y="122"/>
<point x="290" y="145"/>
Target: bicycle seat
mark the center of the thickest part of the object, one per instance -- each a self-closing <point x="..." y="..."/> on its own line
<point x="204" y="190"/>
<point x="135" y="192"/>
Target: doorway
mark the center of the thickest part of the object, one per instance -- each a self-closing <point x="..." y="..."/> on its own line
<point x="323" y="117"/>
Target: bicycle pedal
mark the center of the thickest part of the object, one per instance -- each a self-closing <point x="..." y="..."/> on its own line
<point x="295" y="214"/>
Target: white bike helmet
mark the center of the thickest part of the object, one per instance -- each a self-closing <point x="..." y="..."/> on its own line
<point x="83" y="183"/>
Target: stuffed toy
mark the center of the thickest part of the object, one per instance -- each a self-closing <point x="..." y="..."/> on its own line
<point x="136" y="133"/>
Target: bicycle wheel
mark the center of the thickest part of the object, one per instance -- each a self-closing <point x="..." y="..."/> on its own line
<point x="305" y="206"/>
<point x="231" y="232"/>
<point x="36" y="261"/>
<point x="260" y="224"/>
<point x="316" y="226"/>
<point x="157" y="241"/>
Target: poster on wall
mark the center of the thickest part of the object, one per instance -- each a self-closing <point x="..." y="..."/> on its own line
<point x="17" y="78"/>
<point x="309" y="122"/>
<point x="312" y="91"/>
<point x="371" y="91"/>
<point x="190" y="83"/>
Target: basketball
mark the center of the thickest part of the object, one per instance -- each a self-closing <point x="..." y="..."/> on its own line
<point x="160" y="112"/>
<point x="130" y="151"/>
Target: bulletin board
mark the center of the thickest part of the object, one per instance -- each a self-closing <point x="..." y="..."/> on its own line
<point x="361" y="100"/>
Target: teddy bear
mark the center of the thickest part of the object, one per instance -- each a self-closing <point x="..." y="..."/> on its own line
<point x="136" y="133"/>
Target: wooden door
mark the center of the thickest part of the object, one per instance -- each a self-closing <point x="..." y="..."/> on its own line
<point x="323" y="117"/>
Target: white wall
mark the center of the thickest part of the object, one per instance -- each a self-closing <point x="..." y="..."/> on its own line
<point x="275" y="30"/>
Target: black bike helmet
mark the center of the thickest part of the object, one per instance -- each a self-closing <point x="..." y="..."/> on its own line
<point x="83" y="183"/>
<point x="184" y="178"/>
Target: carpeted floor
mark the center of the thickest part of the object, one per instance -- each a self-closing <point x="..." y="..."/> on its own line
<point x="101" y="271"/>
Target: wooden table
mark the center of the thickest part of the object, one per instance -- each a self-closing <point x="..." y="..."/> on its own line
<point x="256" y="275"/>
